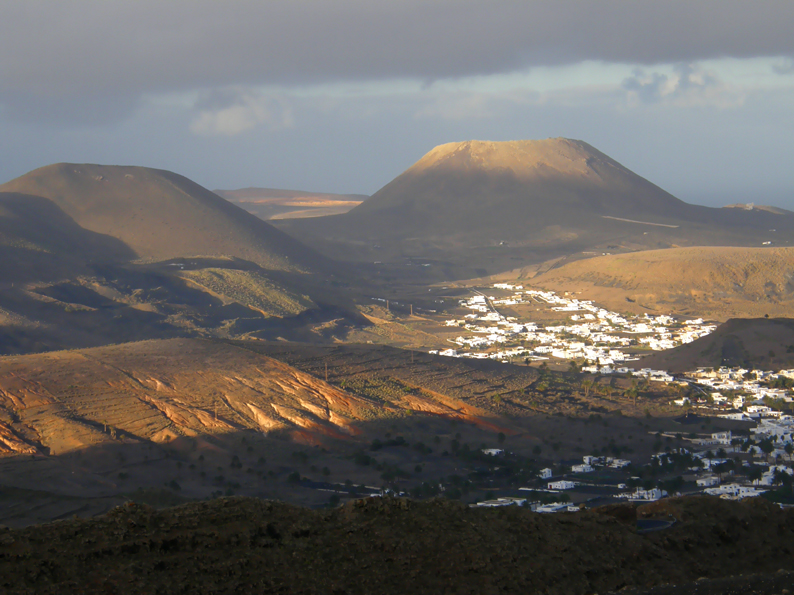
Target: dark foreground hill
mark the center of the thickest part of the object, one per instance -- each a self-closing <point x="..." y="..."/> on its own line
<point x="754" y="343"/>
<point x="400" y="546"/>
<point x="499" y="203"/>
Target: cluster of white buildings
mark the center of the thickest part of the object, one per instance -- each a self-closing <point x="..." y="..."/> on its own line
<point x="734" y="491"/>
<point x="708" y="473"/>
<point x="709" y="464"/>
<point x="533" y="506"/>
<point x="641" y="495"/>
<point x="601" y="338"/>
<point x="747" y="393"/>
<point x="591" y="463"/>
<point x="780" y="430"/>
<point x="743" y="380"/>
<point x="593" y="334"/>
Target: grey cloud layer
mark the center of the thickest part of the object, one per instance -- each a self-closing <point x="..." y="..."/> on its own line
<point x="113" y="49"/>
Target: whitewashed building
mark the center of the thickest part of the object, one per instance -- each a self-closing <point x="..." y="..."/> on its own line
<point x="562" y="485"/>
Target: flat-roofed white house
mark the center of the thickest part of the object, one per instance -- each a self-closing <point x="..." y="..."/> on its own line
<point x="562" y="485"/>
<point x="722" y="437"/>
<point x="545" y="473"/>
<point x="650" y="495"/>
<point x="593" y="460"/>
<point x="553" y="507"/>
<point x="507" y="501"/>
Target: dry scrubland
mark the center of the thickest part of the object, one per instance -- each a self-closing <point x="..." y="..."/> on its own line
<point x="161" y="421"/>
<point x="91" y="255"/>
<point x="756" y="344"/>
<point x="95" y="255"/>
<point x="159" y="391"/>
<point x="400" y="546"/>
<point x="509" y="391"/>
<point x="713" y="282"/>
<point x="187" y="297"/>
<point x="271" y="203"/>
<point x="251" y="289"/>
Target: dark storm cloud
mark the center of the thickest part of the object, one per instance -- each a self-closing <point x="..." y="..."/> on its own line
<point x="78" y="49"/>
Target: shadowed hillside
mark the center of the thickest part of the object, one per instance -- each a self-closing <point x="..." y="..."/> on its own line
<point x="501" y="202"/>
<point x="756" y="343"/>
<point x="91" y="255"/>
<point x="161" y="215"/>
<point x="39" y="241"/>
<point x="389" y="545"/>
<point x="718" y="282"/>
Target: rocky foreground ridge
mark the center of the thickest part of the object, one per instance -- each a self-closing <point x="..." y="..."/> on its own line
<point x="241" y="545"/>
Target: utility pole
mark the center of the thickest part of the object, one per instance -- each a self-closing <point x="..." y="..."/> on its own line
<point x="326" y="371"/>
<point x="412" y="309"/>
<point x="387" y="306"/>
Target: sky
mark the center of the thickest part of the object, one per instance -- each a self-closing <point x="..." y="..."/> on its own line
<point x="343" y="95"/>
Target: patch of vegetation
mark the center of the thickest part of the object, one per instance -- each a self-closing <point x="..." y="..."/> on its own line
<point x="251" y="289"/>
<point x="378" y="444"/>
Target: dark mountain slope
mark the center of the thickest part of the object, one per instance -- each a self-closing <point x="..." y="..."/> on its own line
<point x="91" y="255"/>
<point x="39" y="241"/>
<point x="161" y="215"/>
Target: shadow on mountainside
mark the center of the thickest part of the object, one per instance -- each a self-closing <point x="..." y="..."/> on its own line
<point x="40" y="242"/>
